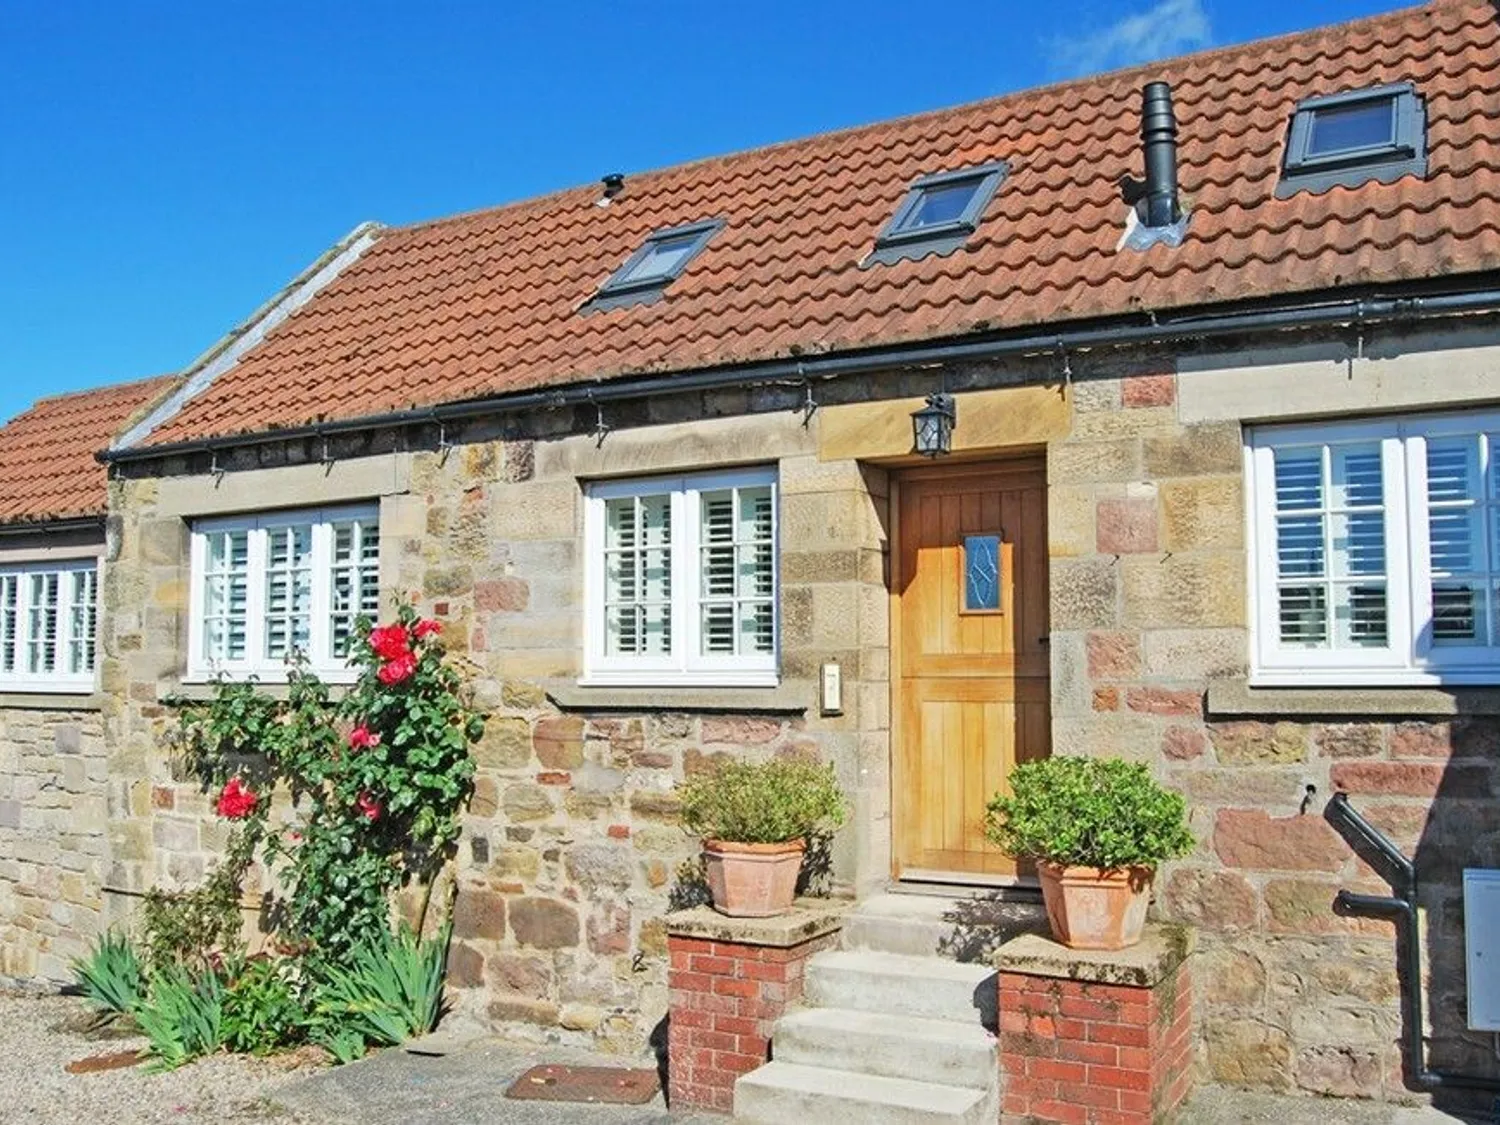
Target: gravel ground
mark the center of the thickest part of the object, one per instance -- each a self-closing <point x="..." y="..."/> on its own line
<point x="39" y="1035"/>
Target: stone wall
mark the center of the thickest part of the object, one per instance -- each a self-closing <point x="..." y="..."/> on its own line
<point x="571" y="854"/>
<point x="53" y="846"/>
<point x="1149" y="610"/>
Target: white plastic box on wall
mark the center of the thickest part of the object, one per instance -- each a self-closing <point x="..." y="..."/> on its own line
<point x="1482" y="943"/>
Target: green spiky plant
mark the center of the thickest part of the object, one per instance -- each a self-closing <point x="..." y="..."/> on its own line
<point x="110" y="977"/>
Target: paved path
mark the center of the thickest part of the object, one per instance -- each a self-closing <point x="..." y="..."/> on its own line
<point x="467" y="1087"/>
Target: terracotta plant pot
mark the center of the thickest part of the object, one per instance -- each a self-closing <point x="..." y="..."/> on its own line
<point x="753" y="880"/>
<point x="1093" y="909"/>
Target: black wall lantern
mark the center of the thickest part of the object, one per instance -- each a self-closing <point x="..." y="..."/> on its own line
<point x="932" y="426"/>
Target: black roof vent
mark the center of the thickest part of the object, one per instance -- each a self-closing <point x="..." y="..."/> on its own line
<point x="614" y="183"/>
<point x="1159" y="139"/>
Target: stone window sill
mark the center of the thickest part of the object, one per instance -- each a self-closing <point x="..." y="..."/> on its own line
<point x="1233" y="697"/>
<point x="50" y="701"/>
<point x="786" y="698"/>
<point x="203" y="692"/>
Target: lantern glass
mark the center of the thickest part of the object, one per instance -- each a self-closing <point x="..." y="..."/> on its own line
<point x="932" y="426"/>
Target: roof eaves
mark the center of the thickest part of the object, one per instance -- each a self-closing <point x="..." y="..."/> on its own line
<point x="199" y="375"/>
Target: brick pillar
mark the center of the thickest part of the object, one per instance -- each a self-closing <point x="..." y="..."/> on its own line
<point x="730" y="980"/>
<point x="1093" y="1038"/>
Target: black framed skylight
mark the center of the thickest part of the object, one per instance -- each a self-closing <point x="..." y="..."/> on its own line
<point x="658" y="262"/>
<point x="938" y="213"/>
<point x="1379" y="133"/>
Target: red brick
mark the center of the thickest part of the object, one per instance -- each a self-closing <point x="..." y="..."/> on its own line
<point x="1119" y="1079"/>
<point x="1120" y="1034"/>
<point x="1063" y="1113"/>
<point x="1096" y="1097"/>
<point x="690" y="981"/>
<point x="1083" y="1008"/>
<point x="1103" y="1054"/>
<point x="776" y="971"/>
<point x="1056" y="1069"/>
<point x="1164" y="701"/>
<point x="715" y="966"/>
<point x="729" y="986"/>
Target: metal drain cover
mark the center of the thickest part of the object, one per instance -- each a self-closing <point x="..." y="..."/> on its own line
<point x="603" y="1085"/>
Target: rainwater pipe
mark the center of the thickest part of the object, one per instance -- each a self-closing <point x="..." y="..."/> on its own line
<point x="1402" y="906"/>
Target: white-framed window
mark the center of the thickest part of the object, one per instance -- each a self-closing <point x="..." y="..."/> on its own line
<point x="1375" y="551"/>
<point x="268" y="586"/>
<point x="681" y="581"/>
<point x="49" y="614"/>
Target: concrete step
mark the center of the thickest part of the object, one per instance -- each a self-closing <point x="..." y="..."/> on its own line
<point x="961" y="927"/>
<point x="783" y="1092"/>
<point x="942" y="1051"/>
<point x="896" y="984"/>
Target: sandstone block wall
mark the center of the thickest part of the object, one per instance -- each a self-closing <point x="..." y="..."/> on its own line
<point x="1149" y="608"/>
<point x="53" y="839"/>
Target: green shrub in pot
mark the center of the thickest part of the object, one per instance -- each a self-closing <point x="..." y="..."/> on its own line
<point x="1097" y="828"/>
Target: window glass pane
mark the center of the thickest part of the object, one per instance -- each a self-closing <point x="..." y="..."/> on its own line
<point x="288" y="586"/>
<point x="82" y="621"/>
<point x="1361" y="125"/>
<point x="354" y="580"/>
<point x="42" y="623"/>
<point x="737" y="571"/>
<point x="226" y="585"/>
<point x="1330" y="527"/>
<point x="981" y="572"/>
<point x="663" y="256"/>
<point x="638" y="575"/>
<point x="1458" y="542"/>
<point x="944" y="203"/>
<point x="10" y="589"/>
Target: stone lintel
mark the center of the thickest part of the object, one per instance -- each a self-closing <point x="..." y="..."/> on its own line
<point x="1234" y="697"/>
<point x="792" y="697"/>
<point x="809" y="918"/>
<point x="1162" y="949"/>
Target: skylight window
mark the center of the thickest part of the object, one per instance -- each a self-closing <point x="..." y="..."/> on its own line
<point x="938" y="214"/>
<point x="659" y="261"/>
<point x="1352" y="138"/>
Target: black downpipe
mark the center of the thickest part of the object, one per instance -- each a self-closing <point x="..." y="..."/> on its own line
<point x="1159" y="138"/>
<point x="1403" y="908"/>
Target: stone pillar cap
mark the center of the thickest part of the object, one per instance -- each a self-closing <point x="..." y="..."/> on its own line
<point x="809" y="918"/>
<point x="1162" y="948"/>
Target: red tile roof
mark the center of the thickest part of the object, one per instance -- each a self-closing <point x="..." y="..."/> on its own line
<point x="47" y="465"/>
<point x="486" y="303"/>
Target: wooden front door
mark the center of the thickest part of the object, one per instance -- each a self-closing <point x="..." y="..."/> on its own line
<point x="970" y="647"/>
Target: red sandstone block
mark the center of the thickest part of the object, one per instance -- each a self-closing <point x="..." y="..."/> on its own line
<point x="1057" y="1069"/>
<point x="1164" y="701"/>
<point x="1153" y="389"/>
<point x="1123" y="1035"/>
<point x="1119" y="1079"/>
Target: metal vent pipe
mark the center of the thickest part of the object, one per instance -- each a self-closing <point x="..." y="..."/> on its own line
<point x="1159" y="140"/>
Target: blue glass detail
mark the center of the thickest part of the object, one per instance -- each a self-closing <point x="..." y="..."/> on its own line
<point x="981" y="572"/>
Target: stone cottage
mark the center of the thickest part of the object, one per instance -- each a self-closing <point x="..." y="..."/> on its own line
<point x="56" y="799"/>
<point x="1217" y="496"/>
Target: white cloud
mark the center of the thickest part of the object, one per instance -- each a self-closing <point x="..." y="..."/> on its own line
<point x="1168" y="27"/>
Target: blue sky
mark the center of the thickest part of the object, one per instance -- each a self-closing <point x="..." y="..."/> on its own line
<point x="166" y="166"/>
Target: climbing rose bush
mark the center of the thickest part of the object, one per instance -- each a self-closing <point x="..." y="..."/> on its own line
<point x="378" y="781"/>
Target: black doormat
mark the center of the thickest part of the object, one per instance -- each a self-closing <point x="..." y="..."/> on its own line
<point x="602" y="1085"/>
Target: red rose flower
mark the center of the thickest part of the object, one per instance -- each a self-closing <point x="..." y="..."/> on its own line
<point x="362" y="738"/>
<point x="236" y="801"/>
<point x="427" y="627"/>
<point x="368" y="806"/>
<point x="392" y="672"/>
<point x="390" y="642"/>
